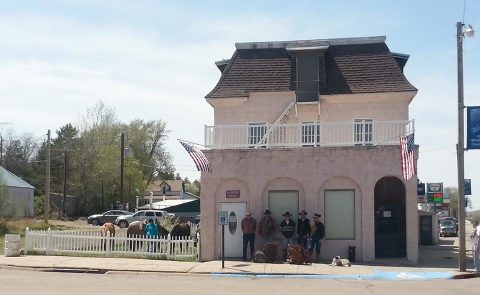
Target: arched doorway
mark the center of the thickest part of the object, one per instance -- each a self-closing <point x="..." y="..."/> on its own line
<point x="390" y="223"/>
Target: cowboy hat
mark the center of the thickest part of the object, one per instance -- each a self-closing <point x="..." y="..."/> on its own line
<point x="267" y="212"/>
<point x="287" y="214"/>
<point x="316" y="215"/>
<point x="303" y="212"/>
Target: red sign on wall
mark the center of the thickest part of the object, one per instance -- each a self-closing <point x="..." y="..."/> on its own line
<point x="232" y="194"/>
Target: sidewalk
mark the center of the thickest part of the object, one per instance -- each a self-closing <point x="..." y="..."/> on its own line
<point x="232" y="268"/>
<point x="436" y="262"/>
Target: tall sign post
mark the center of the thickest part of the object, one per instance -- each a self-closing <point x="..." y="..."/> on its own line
<point x="223" y="220"/>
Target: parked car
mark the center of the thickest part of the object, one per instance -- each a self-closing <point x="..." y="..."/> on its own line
<point x="448" y="228"/>
<point x="449" y="218"/>
<point x="124" y="220"/>
<point x="109" y="216"/>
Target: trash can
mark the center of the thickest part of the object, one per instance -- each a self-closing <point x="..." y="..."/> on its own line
<point x="351" y="253"/>
<point x="12" y="245"/>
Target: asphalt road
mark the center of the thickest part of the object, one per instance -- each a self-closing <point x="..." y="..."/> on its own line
<point x="15" y="281"/>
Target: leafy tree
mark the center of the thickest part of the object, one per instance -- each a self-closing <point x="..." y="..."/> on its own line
<point x="452" y="193"/>
<point x="146" y="140"/>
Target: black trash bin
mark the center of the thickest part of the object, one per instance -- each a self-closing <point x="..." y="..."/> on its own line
<point x="351" y="253"/>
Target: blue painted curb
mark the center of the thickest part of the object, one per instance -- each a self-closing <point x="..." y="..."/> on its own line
<point x="377" y="275"/>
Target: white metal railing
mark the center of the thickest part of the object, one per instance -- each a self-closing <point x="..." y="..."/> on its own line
<point x="72" y="242"/>
<point x="309" y="134"/>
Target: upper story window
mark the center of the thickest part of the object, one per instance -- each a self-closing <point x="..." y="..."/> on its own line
<point x="256" y="131"/>
<point x="310" y="77"/>
<point x="363" y="131"/>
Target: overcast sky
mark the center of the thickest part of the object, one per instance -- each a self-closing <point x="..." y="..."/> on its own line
<point x="155" y="60"/>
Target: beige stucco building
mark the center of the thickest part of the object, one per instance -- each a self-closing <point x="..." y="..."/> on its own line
<point x="312" y="125"/>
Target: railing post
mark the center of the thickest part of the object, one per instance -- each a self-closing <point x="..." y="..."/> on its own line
<point x="169" y="241"/>
<point x="48" y="249"/>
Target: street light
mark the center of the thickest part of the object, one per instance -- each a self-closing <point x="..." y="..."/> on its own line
<point x="461" y="33"/>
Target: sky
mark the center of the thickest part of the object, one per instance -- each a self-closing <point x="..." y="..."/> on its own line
<point x="155" y="60"/>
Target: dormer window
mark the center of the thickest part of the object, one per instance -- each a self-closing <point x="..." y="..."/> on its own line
<point x="310" y="76"/>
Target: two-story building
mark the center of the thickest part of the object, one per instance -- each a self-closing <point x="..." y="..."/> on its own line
<point x="312" y="125"/>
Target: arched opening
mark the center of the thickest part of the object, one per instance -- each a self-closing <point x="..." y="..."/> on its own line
<point x="390" y="222"/>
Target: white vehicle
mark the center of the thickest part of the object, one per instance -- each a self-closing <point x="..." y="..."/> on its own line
<point x="124" y="220"/>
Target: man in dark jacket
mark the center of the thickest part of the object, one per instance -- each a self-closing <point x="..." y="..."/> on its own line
<point x="303" y="229"/>
<point x="287" y="228"/>
<point x="318" y="233"/>
<point x="249" y="226"/>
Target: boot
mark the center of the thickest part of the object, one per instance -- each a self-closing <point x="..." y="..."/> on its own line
<point x="284" y="255"/>
<point x="317" y="256"/>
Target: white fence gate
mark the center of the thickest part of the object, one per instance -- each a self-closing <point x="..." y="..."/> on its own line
<point x="72" y="242"/>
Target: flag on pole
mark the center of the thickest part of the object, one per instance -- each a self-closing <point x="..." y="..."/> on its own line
<point x="407" y="144"/>
<point x="197" y="156"/>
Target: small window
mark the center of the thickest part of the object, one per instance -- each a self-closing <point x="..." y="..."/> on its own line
<point x="149" y="213"/>
<point x="363" y="131"/>
<point x="256" y="132"/>
<point x="158" y="214"/>
<point x="310" y="134"/>
<point x="340" y="214"/>
<point x="142" y="213"/>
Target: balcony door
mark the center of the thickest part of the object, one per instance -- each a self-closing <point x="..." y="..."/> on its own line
<point x="363" y="131"/>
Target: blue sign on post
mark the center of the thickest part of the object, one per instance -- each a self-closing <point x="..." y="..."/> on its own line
<point x="473" y="127"/>
<point x="468" y="186"/>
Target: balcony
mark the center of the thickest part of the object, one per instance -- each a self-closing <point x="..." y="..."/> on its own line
<point x="331" y="134"/>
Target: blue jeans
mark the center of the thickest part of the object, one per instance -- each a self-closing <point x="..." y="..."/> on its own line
<point x="315" y="243"/>
<point x="248" y="238"/>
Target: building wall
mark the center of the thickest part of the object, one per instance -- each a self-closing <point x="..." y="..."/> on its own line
<point x="262" y="107"/>
<point x="17" y="201"/>
<point x="310" y="171"/>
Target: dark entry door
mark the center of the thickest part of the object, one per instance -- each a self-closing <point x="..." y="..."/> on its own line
<point x="426" y="230"/>
<point x="390" y="227"/>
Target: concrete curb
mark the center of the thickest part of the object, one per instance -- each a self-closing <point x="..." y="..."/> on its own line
<point x="465" y="275"/>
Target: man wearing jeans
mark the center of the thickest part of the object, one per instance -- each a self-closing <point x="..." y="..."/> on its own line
<point x="287" y="228"/>
<point x="249" y="226"/>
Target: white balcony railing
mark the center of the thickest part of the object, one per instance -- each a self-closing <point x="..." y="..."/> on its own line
<point x="362" y="132"/>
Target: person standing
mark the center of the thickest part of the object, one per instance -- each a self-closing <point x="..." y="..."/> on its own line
<point x="266" y="226"/>
<point x="303" y="229"/>
<point x="249" y="226"/>
<point x="475" y="236"/>
<point x="287" y="228"/>
<point x="318" y="233"/>
<point x="151" y="231"/>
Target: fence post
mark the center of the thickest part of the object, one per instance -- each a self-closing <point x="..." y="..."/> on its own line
<point x="48" y="249"/>
<point x="27" y="240"/>
<point x="198" y="246"/>
<point x="169" y="241"/>
<point x="108" y="241"/>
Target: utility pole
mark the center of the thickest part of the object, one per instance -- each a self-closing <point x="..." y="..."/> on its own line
<point x="461" y="33"/>
<point x="122" y="164"/>
<point x="65" y="183"/>
<point x="47" y="180"/>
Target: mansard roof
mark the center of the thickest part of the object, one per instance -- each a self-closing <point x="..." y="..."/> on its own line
<point x="352" y="65"/>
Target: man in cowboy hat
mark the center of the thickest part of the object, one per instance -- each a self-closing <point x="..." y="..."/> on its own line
<point x="287" y="228"/>
<point x="303" y="229"/>
<point x="267" y="226"/>
<point x="318" y="232"/>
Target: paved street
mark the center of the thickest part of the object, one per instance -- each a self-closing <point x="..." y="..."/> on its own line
<point x="14" y="281"/>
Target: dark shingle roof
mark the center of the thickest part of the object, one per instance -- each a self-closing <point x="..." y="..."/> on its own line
<point x="356" y="68"/>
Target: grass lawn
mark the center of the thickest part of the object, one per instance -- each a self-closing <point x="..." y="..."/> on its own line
<point x="18" y="226"/>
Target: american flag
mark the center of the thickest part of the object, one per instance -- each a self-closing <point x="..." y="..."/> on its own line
<point x="198" y="157"/>
<point x="407" y="144"/>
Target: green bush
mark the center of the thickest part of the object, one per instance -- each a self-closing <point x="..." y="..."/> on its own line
<point x="3" y="226"/>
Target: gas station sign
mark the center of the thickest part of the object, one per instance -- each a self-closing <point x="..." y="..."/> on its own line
<point x="435" y="192"/>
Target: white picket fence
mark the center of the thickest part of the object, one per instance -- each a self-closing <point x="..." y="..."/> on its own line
<point x="72" y="242"/>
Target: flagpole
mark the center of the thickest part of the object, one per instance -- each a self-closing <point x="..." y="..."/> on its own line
<point x="191" y="142"/>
